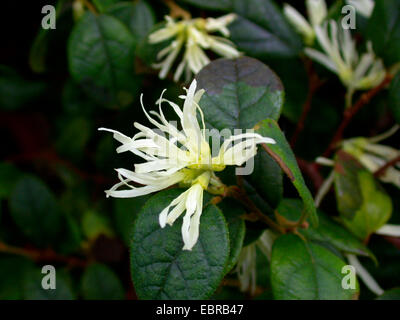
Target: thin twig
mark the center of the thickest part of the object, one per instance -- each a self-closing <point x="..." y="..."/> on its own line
<point x="43" y="255"/>
<point x="90" y="6"/>
<point x="349" y="113"/>
<point x="240" y="195"/>
<point x="176" y="11"/>
<point x="313" y="84"/>
<point x="386" y="166"/>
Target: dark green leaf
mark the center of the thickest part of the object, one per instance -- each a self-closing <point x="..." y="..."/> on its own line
<point x="392" y="294"/>
<point x="35" y="210"/>
<point x="327" y="230"/>
<point x="125" y="211"/>
<point x="101" y="57"/>
<point x="283" y="154"/>
<point x="260" y="29"/>
<point x="13" y="270"/>
<point x="102" y="5"/>
<point x="237" y="229"/>
<point x="301" y="270"/>
<point x="384" y="30"/>
<point x="138" y="16"/>
<point x="363" y="204"/>
<point x="9" y="174"/>
<point x="33" y="289"/>
<point x="73" y="138"/>
<point x="16" y="92"/>
<point x="394" y="97"/>
<point x="239" y="93"/>
<point x="161" y="269"/>
<point x="99" y="282"/>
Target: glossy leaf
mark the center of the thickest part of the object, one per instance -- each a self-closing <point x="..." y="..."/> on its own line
<point x="357" y="188"/>
<point x="302" y="270"/>
<point x="283" y="154"/>
<point x="239" y="92"/>
<point x="99" y="282"/>
<point x="260" y="29"/>
<point x="161" y="269"/>
<point x="236" y="226"/>
<point x="327" y="230"/>
<point x="138" y="17"/>
<point x="384" y="30"/>
<point x="101" y="57"/>
<point x="35" y="210"/>
<point x="394" y="97"/>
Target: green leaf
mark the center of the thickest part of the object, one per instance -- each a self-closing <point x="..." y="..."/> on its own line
<point x="95" y="224"/>
<point x="239" y="93"/>
<point x="237" y="229"/>
<point x="161" y="269"/>
<point x="125" y="211"/>
<point x="224" y="5"/>
<point x="47" y="40"/>
<point x="363" y="204"/>
<point x="266" y="180"/>
<point x="394" y="97"/>
<point x="348" y="193"/>
<point x="260" y="29"/>
<point x="9" y="174"/>
<point x="138" y="17"/>
<point x="73" y="138"/>
<point x="101" y="57"/>
<point x="384" y="30"/>
<point x="99" y="282"/>
<point x="103" y="5"/>
<point x="301" y="270"/>
<point x="35" y="210"/>
<point x="33" y="289"/>
<point x="16" y="92"/>
<point x="392" y="294"/>
<point x="13" y="270"/>
<point x="283" y="154"/>
<point x="327" y="230"/>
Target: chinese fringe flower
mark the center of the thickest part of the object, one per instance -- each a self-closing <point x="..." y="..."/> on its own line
<point x="183" y="157"/>
<point x="363" y="7"/>
<point x="194" y="36"/>
<point x="246" y="267"/>
<point x="316" y="11"/>
<point x="373" y="155"/>
<point x="341" y="57"/>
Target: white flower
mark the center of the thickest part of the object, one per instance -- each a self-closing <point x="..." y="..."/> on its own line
<point x="184" y="157"/>
<point x="341" y="57"/>
<point x="193" y="35"/>
<point x="246" y="267"/>
<point x="373" y="155"/>
<point x="363" y="7"/>
<point x="316" y="10"/>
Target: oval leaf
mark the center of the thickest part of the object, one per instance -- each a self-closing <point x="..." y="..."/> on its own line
<point x="161" y="269"/>
<point x="101" y="57"/>
<point x="301" y="270"/>
<point x="239" y="92"/>
<point x="35" y="210"/>
<point x="283" y="154"/>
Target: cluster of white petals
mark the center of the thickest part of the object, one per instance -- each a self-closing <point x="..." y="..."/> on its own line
<point x="173" y="156"/>
<point x="373" y="155"/>
<point x="363" y="7"/>
<point x="246" y="267"/>
<point x="341" y="57"/>
<point x="316" y="11"/>
<point x="192" y="35"/>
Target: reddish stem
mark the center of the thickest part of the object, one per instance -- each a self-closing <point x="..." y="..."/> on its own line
<point x="352" y="111"/>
